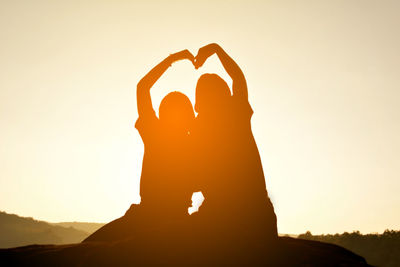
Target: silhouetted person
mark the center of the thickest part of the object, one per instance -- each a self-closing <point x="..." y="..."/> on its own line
<point x="165" y="184"/>
<point x="229" y="167"/>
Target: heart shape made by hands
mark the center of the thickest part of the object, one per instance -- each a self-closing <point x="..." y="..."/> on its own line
<point x="202" y="55"/>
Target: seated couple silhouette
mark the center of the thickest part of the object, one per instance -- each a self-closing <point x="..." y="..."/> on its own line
<point x="213" y="152"/>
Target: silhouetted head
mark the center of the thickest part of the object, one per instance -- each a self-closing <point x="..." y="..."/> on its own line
<point x="212" y="93"/>
<point x="176" y="112"/>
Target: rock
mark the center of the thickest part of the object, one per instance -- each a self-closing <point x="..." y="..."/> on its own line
<point x="285" y="251"/>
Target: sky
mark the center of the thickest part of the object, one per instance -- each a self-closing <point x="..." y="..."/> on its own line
<point x="323" y="80"/>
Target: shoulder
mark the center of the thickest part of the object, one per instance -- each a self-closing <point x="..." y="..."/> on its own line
<point x="146" y="121"/>
<point x="148" y="127"/>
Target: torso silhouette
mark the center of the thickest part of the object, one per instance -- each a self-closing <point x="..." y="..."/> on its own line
<point x="229" y="170"/>
<point x="231" y="177"/>
<point x="165" y="180"/>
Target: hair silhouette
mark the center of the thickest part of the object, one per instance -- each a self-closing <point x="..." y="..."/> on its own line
<point x="211" y="92"/>
<point x="176" y="113"/>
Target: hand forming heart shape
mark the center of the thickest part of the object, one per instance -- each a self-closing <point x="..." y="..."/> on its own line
<point x="201" y="57"/>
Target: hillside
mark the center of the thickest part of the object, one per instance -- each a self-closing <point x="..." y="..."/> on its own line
<point x="83" y="226"/>
<point x="20" y="231"/>
<point x="378" y="249"/>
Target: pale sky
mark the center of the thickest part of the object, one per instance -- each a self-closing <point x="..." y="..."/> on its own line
<point x="323" y="78"/>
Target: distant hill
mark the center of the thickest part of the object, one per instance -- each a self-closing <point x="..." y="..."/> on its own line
<point x="378" y="249"/>
<point x="83" y="226"/>
<point x="20" y="231"/>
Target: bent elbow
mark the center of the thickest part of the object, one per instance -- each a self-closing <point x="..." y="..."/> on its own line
<point x="141" y="88"/>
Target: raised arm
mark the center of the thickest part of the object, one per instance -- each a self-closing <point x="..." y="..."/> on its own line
<point x="143" y="96"/>
<point x="239" y="85"/>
